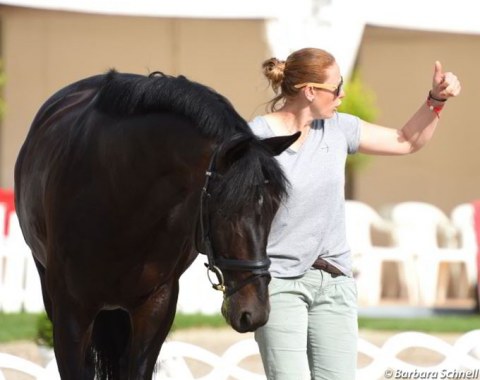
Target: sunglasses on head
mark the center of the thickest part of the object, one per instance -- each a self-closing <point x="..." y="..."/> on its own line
<point x="336" y="89"/>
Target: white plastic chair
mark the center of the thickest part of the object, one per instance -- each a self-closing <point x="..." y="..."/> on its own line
<point x="418" y="226"/>
<point x="368" y="259"/>
<point x="462" y="217"/>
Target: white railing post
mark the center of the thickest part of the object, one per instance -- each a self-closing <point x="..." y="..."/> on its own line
<point x="16" y="253"/>
<point x="462" y="355"/>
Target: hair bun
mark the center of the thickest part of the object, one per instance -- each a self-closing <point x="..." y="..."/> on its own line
<point x="274" y="69"/>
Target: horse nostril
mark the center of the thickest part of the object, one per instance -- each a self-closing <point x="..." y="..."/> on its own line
<point x="246" y="321"/>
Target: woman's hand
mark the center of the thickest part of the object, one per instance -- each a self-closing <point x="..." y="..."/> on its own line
<point x="444" y="85"/>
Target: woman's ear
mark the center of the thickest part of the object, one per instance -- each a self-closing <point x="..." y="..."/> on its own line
<point x="309" y="93"/>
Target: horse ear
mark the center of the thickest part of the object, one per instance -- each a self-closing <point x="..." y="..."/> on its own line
<point x="278" y="144"/>
<point x="235" y="148"/>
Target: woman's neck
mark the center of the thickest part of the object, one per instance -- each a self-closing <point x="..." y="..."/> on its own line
<point x="292" y="119"/>
<point x="288" y="120"/>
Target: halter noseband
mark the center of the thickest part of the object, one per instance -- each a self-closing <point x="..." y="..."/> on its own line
<point x="258" y="268"/>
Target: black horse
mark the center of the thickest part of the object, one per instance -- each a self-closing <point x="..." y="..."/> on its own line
<point x="121" y="181"/>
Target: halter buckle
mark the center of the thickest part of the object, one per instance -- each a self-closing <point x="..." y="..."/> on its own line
<point x="220" y="285"/>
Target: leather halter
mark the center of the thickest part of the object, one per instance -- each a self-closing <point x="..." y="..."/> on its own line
<point x="216" y="263"/>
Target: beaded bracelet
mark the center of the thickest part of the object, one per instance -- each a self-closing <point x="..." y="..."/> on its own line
<point x="436" y="109"/>
<point x="430" y="96"/>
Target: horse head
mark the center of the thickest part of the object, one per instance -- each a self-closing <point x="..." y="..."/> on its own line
<point x="243" y="190"/>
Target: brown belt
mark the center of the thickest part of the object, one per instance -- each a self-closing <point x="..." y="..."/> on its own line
<point x="327" y="267"/>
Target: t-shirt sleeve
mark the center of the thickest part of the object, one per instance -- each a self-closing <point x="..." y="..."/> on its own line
<point x="350" y="126"/>
<point x="260" y="128"/>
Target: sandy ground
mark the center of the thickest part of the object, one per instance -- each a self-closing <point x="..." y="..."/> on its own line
<point x="218" y="340"/>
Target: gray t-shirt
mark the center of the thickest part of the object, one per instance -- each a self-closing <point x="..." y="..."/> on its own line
<point x="311" y="221"/>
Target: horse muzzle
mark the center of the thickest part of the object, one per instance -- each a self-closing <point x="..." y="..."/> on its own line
<point x="248" y="309"/>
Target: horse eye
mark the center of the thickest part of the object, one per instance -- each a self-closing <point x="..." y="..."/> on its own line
<point x="260" y="200"/>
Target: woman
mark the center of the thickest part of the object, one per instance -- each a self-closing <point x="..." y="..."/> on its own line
<point x="312" y="329"/>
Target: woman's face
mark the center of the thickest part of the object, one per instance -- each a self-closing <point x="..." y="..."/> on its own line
<point x="325" y="102"/>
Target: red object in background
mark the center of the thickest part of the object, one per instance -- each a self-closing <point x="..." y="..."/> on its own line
<point x="7" y="197"/>
<point x="476" y="218"/>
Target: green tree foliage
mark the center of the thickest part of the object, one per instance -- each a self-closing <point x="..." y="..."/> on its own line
<point x="359" y="101"/>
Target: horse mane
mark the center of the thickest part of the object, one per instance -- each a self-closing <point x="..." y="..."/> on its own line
<point x="130" y="94"/>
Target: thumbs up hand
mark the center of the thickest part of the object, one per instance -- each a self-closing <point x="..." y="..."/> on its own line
<point x="444" y="85"/>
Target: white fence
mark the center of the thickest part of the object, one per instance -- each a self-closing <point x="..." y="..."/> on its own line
<point x="19" y="283"/>
<point x="423" y="264"/>
<point x="460" y="359"/>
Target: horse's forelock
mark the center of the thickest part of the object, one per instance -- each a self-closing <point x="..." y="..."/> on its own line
<point x="248" y="178"/>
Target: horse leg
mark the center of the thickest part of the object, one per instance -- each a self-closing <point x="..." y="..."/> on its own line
<point x="72" y="328"/>
<point x="151" y="323"/>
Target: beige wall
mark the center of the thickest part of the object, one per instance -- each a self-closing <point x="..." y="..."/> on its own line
<point x="44" y="50"/>
<point x="398" y="66"/>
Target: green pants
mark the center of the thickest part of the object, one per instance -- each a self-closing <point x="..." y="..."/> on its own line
<point x="312" y="330"/>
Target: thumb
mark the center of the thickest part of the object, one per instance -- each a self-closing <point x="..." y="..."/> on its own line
<point x="438" y="73"/>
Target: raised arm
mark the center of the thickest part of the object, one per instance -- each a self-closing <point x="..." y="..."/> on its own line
<point x="419" y="129"/>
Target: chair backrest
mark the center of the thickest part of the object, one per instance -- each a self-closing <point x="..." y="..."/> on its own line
<point x="418" y="226"/>
<point x="360" y="220"/>
<point x="462" y="217"/>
